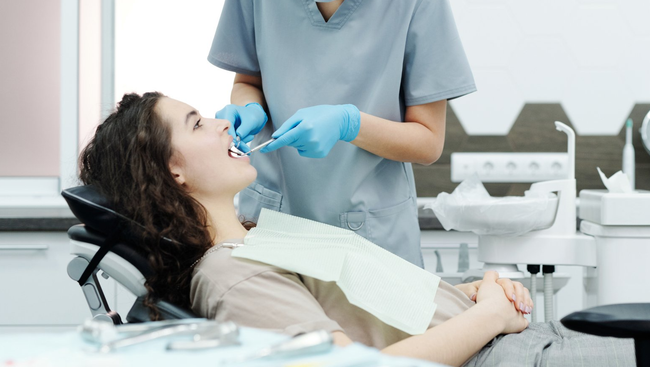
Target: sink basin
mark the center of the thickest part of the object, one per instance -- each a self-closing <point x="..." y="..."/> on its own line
<point x="506" y="216"/>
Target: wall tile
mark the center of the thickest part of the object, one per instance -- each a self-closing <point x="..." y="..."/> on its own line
<point x="531" y="133"/>
<point x="541" y="67"/>
<point x="432" y="180"/>
<point x="597" y="34"/>
<point x="596" y="151"/>
<point x="494" y="107"/>
<point x="487" y="143"/>
<point x="492" y="46"/>
<point x="534" y="130"/>
<point x="597" y="102"/>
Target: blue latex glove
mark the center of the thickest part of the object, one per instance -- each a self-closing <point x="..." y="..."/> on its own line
<point x="245" y="121"/>
<point x="315" y="130"/>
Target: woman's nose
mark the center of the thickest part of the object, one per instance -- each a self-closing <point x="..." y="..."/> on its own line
<point x="222" y="125"/>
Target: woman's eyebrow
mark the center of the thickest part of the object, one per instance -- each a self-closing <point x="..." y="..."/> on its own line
<point x="190" y="114"/>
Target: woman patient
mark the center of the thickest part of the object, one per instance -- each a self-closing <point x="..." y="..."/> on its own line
<point x="170" y="169"/>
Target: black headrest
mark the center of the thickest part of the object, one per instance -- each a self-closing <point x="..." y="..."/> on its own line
<point x="92" y="208"/>
<point x="95" y="211"/>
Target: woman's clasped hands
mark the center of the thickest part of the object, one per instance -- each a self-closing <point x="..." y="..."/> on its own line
<point x="510" y="300"/>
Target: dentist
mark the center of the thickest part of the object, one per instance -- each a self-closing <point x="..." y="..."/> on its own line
<point x="360" y="85"/>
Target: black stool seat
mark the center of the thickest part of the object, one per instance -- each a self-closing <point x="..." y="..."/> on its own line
<point x="625" y="320"/>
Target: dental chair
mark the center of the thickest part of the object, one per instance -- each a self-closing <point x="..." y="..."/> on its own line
<point x="103" y="242"/>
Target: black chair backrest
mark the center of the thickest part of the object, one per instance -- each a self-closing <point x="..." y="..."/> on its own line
<point x="112" y="231"/>
<point x="83" y="233"/>
<point x="103" y="226"/>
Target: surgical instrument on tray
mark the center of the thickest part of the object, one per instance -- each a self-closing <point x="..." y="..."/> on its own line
<point x="208" y="334"/>
<point x="226" y="334"/>
<point x="319" y="341"/>
<point x="96" y="331"/>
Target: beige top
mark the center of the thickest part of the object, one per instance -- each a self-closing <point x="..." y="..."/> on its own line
<point x="258" y="295"/>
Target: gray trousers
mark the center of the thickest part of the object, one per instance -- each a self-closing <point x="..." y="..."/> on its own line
<point x="551" y="344"/>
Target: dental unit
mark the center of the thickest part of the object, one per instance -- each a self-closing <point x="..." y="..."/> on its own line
<point x="541" y="228"/>
<point x="547" y="234"/>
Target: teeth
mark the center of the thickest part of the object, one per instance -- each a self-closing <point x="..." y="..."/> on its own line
<point x="234" y="153"/>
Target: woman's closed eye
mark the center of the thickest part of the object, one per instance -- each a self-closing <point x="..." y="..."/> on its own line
<point x="198" y="124"/>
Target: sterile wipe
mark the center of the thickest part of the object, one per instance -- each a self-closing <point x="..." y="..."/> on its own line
<point x="618" y="183"/>
<point x="372" y="278"/>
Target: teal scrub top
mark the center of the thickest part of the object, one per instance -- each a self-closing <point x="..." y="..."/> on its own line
<point x="381" y="56"/>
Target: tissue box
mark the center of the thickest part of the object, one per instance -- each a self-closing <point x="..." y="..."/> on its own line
<point x="615" y="209"/>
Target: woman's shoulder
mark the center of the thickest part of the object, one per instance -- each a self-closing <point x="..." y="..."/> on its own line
<point x="224" y="271"/>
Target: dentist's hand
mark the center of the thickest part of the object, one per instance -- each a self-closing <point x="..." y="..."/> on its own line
<point x="245" y="121"/>
<point x="315" y="130"/>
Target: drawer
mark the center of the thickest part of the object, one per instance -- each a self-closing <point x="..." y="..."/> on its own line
<point x="34" y="285"/>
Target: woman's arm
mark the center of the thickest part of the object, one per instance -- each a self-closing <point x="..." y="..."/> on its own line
<point x="456" y="340"/>
<point x="419" y="139"/>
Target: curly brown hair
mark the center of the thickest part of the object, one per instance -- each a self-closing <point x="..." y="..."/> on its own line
<point x="127" y="160"/>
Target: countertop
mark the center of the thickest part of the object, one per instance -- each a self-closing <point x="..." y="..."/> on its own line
<point x="60" y="219"/>
<point x="36" y="219"/>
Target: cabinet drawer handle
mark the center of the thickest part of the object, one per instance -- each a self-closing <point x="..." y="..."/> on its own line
<point x="23" y="247"/>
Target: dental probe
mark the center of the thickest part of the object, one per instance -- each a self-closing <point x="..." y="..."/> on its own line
<point x="260" y="146"/>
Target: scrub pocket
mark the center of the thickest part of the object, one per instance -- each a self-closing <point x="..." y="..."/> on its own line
<point x="255" y="197"/>
<point x="395" y="228"/>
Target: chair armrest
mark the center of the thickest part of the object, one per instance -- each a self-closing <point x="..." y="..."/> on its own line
<point x="625" y="320"/>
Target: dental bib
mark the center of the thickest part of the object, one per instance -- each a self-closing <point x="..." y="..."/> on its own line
<point x="373" y="279"/>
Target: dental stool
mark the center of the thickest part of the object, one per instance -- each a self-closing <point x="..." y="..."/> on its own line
<point x="102" y="243"/>
<point x="624" y="320"/>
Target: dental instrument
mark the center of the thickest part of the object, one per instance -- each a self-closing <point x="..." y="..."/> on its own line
<point x="319" y="341"/>
<point x="100" y="331"/>
<point x="226" y="334"/>
<point x="260" y="146"/>
<point x="234" y="147"/>
<point x="200" y="329"/>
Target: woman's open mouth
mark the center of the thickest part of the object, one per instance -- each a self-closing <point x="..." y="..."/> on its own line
<point x="234" y="152"/>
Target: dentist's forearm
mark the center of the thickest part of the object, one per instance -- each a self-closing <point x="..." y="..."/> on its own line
<point x="247" y="89"/>
<point x="420" y="139"/>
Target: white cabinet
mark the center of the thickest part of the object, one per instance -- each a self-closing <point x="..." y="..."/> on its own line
<point x="35" y="289"/>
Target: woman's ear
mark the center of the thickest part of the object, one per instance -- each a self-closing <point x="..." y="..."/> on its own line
<point x="177" y="171"/>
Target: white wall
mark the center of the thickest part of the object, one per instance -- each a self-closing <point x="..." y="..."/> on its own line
<point x="592" y="56"/>
<point x="162" y="45"/>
